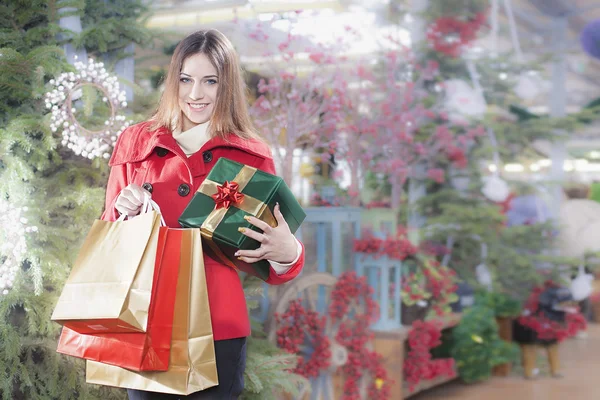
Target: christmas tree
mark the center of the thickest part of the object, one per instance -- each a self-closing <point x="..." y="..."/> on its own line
<point x="48" y="195"/>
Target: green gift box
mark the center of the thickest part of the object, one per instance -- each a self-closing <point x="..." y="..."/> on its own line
<point x="230" y="192"/>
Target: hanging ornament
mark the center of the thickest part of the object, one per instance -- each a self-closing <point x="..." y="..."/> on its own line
<point x="529" y="86"/>
<point x="582" y="286"/>
<point x="527" y="210"/>
<point x="590" y="39"/>
<point x="495" y="189"/>
<point x="463" y="102"/>
<point x="67" y="89"/>
<point x="13" y="246"/>
<point x="484" y="276"/>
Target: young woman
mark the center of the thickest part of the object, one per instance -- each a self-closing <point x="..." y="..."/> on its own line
<point x="201" y="117"/>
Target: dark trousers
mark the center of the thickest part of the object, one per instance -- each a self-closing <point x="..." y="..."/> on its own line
<point x="231" y="362"/>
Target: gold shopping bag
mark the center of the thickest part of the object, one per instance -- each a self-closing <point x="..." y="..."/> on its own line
<point x="192" y="365"/>
<point x="110" y="285"/>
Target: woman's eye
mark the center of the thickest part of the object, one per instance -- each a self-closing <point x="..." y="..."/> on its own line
<point x="184" y="80"/>
<point x="211" y="81"/>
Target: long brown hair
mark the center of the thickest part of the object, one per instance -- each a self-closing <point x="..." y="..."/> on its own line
<point x="230" y="114"/>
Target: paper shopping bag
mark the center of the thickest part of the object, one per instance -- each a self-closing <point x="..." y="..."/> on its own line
<point x="192" y="366"/>
<point x="109" y="287"/>
<point x="140" y="351"/>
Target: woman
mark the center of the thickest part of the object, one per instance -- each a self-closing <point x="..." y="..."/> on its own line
<point x="201" y="117"/>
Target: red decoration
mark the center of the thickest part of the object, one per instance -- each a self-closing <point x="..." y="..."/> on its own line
<point x="299" y="326"/>
<point x="317" y="201"/>
<point x="448" y="35"/>
<point x="545" y="328"/>
<point x="227" y="194"/>
<point x="355" y="334"/>
<point x="418" y="364"/>
<point x="398" y="248"/>
<point x="378" y="204"/>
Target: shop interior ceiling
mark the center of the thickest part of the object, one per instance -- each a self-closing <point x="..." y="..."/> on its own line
<point x="535" y="20"/>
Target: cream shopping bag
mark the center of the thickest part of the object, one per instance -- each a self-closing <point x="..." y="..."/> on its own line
<point x="110" y="284"/>
<point x="192" y="366"/>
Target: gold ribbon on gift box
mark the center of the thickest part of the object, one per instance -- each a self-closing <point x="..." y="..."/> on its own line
<point x="248" y="204"/>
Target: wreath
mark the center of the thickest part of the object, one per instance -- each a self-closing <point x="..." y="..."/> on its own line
<point x="68" y="88"/>
<point x="304" y="328"/>
<point x="301" y="329"/>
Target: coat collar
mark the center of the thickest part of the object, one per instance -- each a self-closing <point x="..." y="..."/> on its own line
<point x="138" y="142"/>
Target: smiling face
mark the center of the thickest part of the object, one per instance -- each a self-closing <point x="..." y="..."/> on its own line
<point x="198" y="85"/>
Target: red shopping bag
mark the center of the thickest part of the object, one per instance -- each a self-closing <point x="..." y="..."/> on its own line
<point x="139" y="351"/>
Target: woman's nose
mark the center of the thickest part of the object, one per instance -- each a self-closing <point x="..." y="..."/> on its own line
<point x="197" y="92"/>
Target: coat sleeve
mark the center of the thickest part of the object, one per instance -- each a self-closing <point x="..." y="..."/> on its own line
<point x="118" y="177"/>
<point x="274" y="278"/>
<point x="117" y="180"/>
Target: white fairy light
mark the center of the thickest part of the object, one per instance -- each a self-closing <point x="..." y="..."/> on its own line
<point x="13" y="229"/>
<point x="74" y="136"/>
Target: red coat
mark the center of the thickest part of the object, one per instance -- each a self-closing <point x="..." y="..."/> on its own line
<point x="155" y="161"/>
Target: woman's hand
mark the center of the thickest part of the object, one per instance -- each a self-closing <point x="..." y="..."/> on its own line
<point x="276" y="244"/>
<point x="131" y="200"/>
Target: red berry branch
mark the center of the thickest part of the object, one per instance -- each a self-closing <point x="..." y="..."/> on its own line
<point x="418" y="364"/>
<point x="354" y="333"/>
<point x="397" y="248"/>
<point x="448" y="35"/>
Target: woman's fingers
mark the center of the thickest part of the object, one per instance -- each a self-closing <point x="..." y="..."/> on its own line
<point x="250" y="260"/>
<point x="263" y="226"/>
<point x="279" y="216"/>
<point x="261" y="238"/>
<point x="126" y="204"/>
<point x="258" y="253"/>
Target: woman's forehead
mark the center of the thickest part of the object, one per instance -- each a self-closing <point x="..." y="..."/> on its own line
<point x="198" y="64"/>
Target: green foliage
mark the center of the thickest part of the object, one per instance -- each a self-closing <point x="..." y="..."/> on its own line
<point x="63" y="193"/>
<point x="460" y="8"/>
<point x="502" y="304"/>
<point x="514" y="254"/>
<point x="110" y="26"/>
<point x="476" y="346"/>
<point x="267" y="373"/>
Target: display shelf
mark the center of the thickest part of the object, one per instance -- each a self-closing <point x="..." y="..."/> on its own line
<point x="427" y="384"/>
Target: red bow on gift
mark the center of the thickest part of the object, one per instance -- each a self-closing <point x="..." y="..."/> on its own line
<point x="227" y="194"/>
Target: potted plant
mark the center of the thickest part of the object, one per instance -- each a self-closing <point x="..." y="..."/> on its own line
<point x="429" y="287"/>
<point x="506" y="309"/>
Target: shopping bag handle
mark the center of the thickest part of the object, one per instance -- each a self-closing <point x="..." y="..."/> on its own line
<point x="150" y="205"/>
<point x="147" y="206"/>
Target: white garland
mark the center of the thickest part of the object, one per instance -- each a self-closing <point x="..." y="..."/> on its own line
<point x="67" y="87"/>
<point x="13" y="247"/>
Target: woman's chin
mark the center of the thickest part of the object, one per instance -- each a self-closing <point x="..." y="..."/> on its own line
<point x="197" y="119"/>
